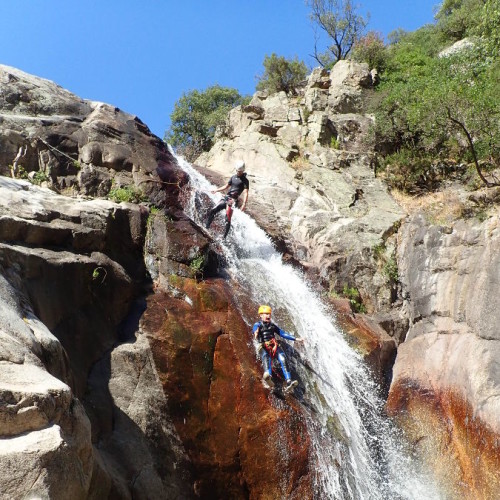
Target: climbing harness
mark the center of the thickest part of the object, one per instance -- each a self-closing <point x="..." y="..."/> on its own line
<point x="271" y="346"/>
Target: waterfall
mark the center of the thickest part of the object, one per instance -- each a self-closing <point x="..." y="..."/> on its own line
<point x="358" y="453"/>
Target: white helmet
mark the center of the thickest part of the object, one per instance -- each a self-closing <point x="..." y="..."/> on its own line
<point x="239" y="166"/>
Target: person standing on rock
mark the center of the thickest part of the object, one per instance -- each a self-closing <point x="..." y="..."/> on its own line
<point x="237" y="185"/>
<point x="265" y="332"/>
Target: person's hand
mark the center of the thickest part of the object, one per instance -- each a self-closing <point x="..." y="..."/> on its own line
<point x="243" y="207"/>
<point x="299" y="341"/>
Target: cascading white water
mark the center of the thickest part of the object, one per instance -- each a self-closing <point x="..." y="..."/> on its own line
<point x="357" y="451"/>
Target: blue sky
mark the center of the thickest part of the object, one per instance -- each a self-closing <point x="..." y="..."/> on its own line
<point x="142" y="55"/>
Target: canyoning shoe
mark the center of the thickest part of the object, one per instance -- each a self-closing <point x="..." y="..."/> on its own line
<point x="290" y="384"/>
<point x="268" y="380"/>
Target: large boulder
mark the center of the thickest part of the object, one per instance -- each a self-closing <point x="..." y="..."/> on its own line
<point x="77" y="146"/>
<point x="72" y="275"/>
<point x="312" y="181"/>
<point x="446" y="385"/>
<point x="349" y="80"/>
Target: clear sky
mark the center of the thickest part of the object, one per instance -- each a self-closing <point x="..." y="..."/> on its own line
<point x="142" y="55"/>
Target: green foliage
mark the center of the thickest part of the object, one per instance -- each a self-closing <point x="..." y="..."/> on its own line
<point x="196" y="265"/>
<point x="371" y="49"/>
<point x="389" y="263"/>
<point x="128" y="194"/>
<point x="281" y="74"/>
<point x="487" y="31"/>
<point x="99" y="275"/>
<point x="20" y="173"/>
<point x="456" y="19"/>
<point x="334" y="143"/>
<point x="196" y="117"/>
<point x="391" y="269"/>
<point x="354" y="297"/>
<point x="439" y="113"/>
<point x="378" y="250"/>
<point x="341" y="23"/>
<point x="39" y="177"/>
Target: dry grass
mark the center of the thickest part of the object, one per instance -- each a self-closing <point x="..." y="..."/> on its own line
<point x="299" y="163"/>
<point x="441" y="208"/>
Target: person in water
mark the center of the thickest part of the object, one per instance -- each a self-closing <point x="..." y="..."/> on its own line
<point x="237" y="185"/>
<point x="265" y="332"/>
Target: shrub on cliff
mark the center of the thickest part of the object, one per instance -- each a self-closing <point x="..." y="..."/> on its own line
<point x="281" y="74"/>
<point x="371" y="49"/>
<point x="196" y="117"/>
<point x="457" y="18"/>
<point x="440" y="115"/>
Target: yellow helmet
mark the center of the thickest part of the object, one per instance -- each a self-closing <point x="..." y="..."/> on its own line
<point x="264" y="310"/>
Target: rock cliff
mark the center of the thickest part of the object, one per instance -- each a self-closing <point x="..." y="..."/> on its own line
<point x="446" y="386"/>
<point x="124" y="372"/>
<point x="313" y="188"/>
<point x="122" y="375"/>
<point x="430" y="286"/>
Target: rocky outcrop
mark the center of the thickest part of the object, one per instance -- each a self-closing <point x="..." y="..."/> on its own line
<point x="120" y="371"/>
<point x="313" y="186"/>
<point x="77" y="146"/>
<point x="72" y="270"/>
<point x="45" y="445"/>
<point x="446" y="388"/>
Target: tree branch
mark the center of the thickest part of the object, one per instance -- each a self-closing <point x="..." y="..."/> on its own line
<point x="472" y="149"/>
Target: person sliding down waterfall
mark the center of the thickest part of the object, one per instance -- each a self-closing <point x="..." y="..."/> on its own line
<point x="237" y="184"/>
<point x="265" y="332"/>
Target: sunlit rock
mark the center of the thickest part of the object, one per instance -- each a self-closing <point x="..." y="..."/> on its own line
<point x="446" y="386"/>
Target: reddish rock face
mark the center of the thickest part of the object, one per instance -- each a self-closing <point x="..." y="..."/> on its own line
<point x="468" y="457"/>
<point x="368" y="338"/>
<point x="243" y="443"/>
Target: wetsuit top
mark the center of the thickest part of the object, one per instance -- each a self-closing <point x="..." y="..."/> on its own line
<point x="267" y="331"/>
<point x="237" y="185"/>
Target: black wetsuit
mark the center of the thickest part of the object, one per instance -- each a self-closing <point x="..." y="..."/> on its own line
<point x="237" y="184"/>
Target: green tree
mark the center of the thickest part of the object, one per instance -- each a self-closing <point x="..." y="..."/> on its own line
<point x="437" y="113"/>
<point x="341" y="23"/>
<point x="456" y="18"/>
<point x="487" y="31"/>
<point x="196" y="117"/>
<point x="281" y="74"/>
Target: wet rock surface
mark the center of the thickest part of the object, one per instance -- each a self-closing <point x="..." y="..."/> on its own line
<point x="446" y="385"/>
<point x="126" y="368"/>
<point x="240" y="445"/>
<point x="312" y="180"/>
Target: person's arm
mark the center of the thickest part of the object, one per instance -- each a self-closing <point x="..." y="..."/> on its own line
<point x="288" y="336"/>
<point x="245" y="199"/>
<point x="255" y="331"/>
<point x="222" y="188"/>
